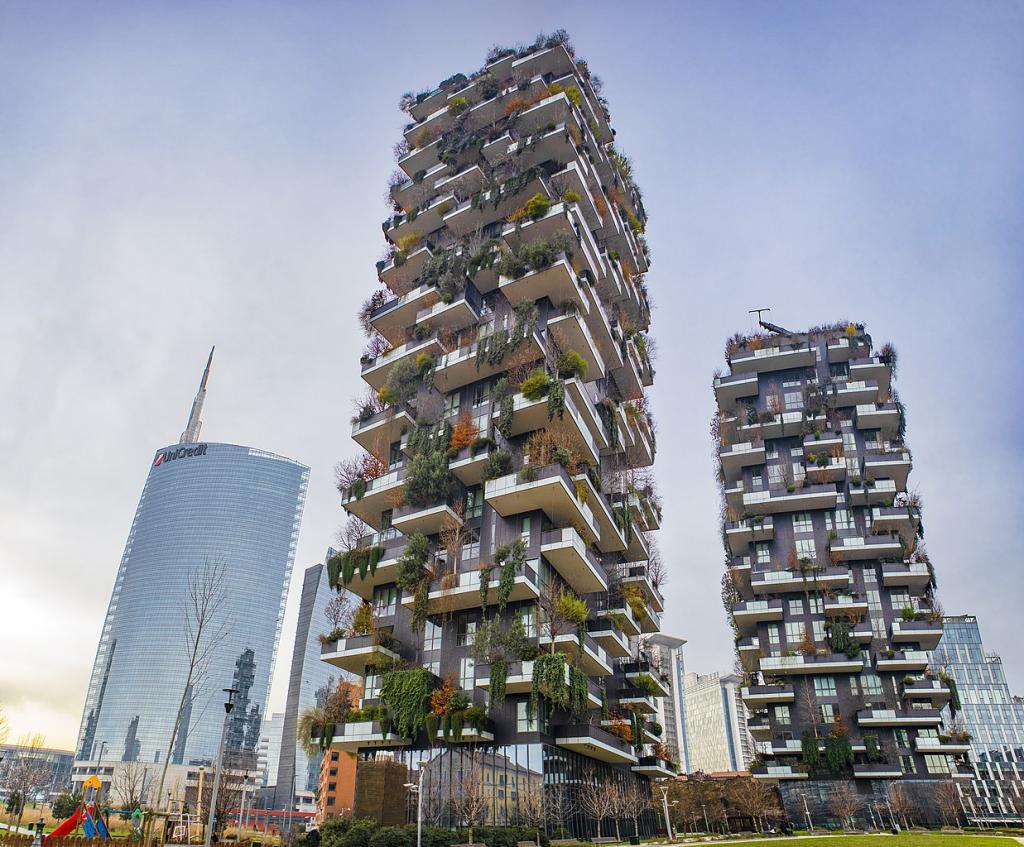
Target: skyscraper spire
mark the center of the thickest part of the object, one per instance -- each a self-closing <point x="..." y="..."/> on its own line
<point x="191" y="433"/>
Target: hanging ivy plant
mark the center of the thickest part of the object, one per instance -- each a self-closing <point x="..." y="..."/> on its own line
<point x="346" y="563"/>
<point x="809" y="753"/>
<point x="549" y="681"/>
<point x="496" y="695"/>
<point x="624" y="518"/>
<point x="556" y="399"/>
<point x="578" y="704"/>
<point x="407" y="694"/>
<point x="506" y="410"/>
<point x="511" y="557"/>
<point x="838" y="753"/>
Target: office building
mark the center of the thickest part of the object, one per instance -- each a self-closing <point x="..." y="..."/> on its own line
<point x="991" y="717"/>
<point x="506" y="474"/>
<point x="268" y="750"/>
<point x="828" y="586"/>
<point x="211" y="508"/>
<point x="51" y="766"/>
<point x="717" y="739"/>
<point x="666" y="652"/>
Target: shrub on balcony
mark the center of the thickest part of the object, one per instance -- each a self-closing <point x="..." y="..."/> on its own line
<point x="458" y="105"/>
<point x="535" y="255"/>
<point x="362" y="620"/>
<point x="400" y="386"/>
<point x="809" y="753"/>
<point x="510" y="558"/>
<point x="412" y="562"/>
<point x="499" y="463"/>
<point x="464" y="433"/>
<point x="572" y="364"/>
<point x="481" y="444"/>
<point x="645" y="682"/>
<point x="871" y="748"/>
<point x="536" y="385"/>
<point x="427" y="479"/>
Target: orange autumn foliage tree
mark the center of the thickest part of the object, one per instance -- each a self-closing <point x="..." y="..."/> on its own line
<point x="464" y="433"/>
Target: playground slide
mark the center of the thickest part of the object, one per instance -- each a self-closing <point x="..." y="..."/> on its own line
<point x="67" y="826"/>
<point x="94" y="826"/>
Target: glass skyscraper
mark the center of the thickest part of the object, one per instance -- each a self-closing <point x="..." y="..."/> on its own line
<point x="993" y="717"/>
<point x="237" y="508"/>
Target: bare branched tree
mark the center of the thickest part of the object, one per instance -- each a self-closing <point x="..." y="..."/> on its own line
<point x="947" y="799"/>
<point x="532" y="807"/>
<point x="339" y="611"/>
<point x="560" y="805"/>
<point x="26" y="775"/>
<point x="129" y="785"/>
<point x="593" y="799"/>
<point x="845" y="802"/>
<point x="204" y="627"/>
<point x="469" y="799"/>
<point x="634" y="802"/>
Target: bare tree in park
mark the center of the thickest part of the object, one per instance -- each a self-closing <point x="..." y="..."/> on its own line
<point x="901" y="804"/>
<point x="26" y="775"/>
<point x="203" y="630"/>
<point x="754" y="800"/>
<point x="128" y="786"/>
<point x="469" y="799"/>
<point x="593" y="798"/>
<point x="532" y="807"/>
<point x="560" y="805"/>
<point x="634" y="802"/>
<point x="947" y="799"/>
<point x="845" y="803"/>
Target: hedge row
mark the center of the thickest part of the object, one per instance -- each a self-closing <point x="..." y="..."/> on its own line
<point x="345" y="832"/>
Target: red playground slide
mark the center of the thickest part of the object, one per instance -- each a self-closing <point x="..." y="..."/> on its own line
<point x="69" y="825"/>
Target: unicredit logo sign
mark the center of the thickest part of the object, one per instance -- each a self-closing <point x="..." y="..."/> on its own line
<point x="180" y="453"/>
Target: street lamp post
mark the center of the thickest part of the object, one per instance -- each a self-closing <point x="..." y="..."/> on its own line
<point x="417" y="789"/>
<point x="664" y="805"/>
<point x="707" y="826"/>
<point x="228" y="706"/>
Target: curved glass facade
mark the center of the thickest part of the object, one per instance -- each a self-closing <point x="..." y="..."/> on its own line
<point x="219" y="503"/>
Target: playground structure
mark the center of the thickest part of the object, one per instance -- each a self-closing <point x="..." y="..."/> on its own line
<point x="88" y="816"/>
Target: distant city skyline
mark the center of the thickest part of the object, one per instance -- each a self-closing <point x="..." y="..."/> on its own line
<point x="173" y="180"/>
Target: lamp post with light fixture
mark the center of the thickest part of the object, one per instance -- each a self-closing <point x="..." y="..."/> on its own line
<point x="228" y="706"/>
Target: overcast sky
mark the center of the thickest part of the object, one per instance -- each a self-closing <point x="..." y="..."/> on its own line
<point x="178" y="175"/>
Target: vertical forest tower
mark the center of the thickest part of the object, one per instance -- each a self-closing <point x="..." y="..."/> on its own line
<point x="504" y="487"/>
<point x="828" y="586"/>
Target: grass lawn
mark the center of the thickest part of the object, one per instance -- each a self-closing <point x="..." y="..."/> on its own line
<point x="928" y="839"/>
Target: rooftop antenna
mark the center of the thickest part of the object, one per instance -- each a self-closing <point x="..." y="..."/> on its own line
<point x="765" y="324"/>
<point x="191" y="433"/>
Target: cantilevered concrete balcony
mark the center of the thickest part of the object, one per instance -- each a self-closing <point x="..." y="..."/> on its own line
<point x="911" y="661"/>
<point x="375" y="371"/>
<point x="529" y="415"/>
<point x="566" y="219"/>
<point x="789" y="665"/>
<point x="635" y="671"/>
<point x="805" y="497"/>
<point x="568" y="553"/>
<point x="857" y="392"/>
<point x="550" y="490"/>
<point x="773" y="359"/>
<point x="607" y="633"/>
<point x="749" y="650"/>
<point x="881" y="416"/>
<point x="420" y="159"/>
<point x="544" y="146"/>
<point x="377" y="432"/>
<point x="378" y="496"/>
<point x="424" y="223"/>
<point x="841" y="350"/>
<point x="781" y="425"/>
<point x="775" y="773"/>
<point x="915" y="575"/>
<point x="411" y="194"/>
<point x="593" y="660"/>
<point x="749" y="613"/>
<point x="826" y="469"/>
<point x="934" y="691"/>
<point x="453" y="316"/>
<point x="901" y="519"/>
<point x="602" y="331"/>
<point x="741" y="534"/>
<point x="876" y="770"/>
<point x="856" y="548"/>
<point x="826" y="443"/>
<point x="894" y="465"/>
<point x="654" y="768"/>
<point x="924" y="634"/>
<point x="456" y="592"/>
<point x="621" y="613"/>
<point x="570" y="332"/>
<point x="400" y="272"/>
<point x="463" y="366"/>
<point x="638" y="575"/>
<point x="394" y="317"/>
<point x="736" y="457"/>
<point x="871" y="368"/>
<point x="846" y="605"/>
<point x="814" y="578"/>
<point x="728" y="389"/>
<point x="627" y="377"/>
<point x="352" y="737"/>
<point x="428" y="519"/>
<point x="490" y="208"/>
<point x="466" y="735"/>
<point x="355" y="653"/>
<point x="636" y="699"/>
<point x="760" y="695"/>
<point x="468" y="464"/>
<point x="595" y="743"/>
<point x="869" y="493"/>
<point x="612" y="538"/>
<point x="941" y="744"/>
<point x="386" y="571"/>
<point x="892" y="717"/>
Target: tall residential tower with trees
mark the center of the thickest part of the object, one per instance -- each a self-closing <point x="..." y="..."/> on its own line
<point x="503" y="501"/>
